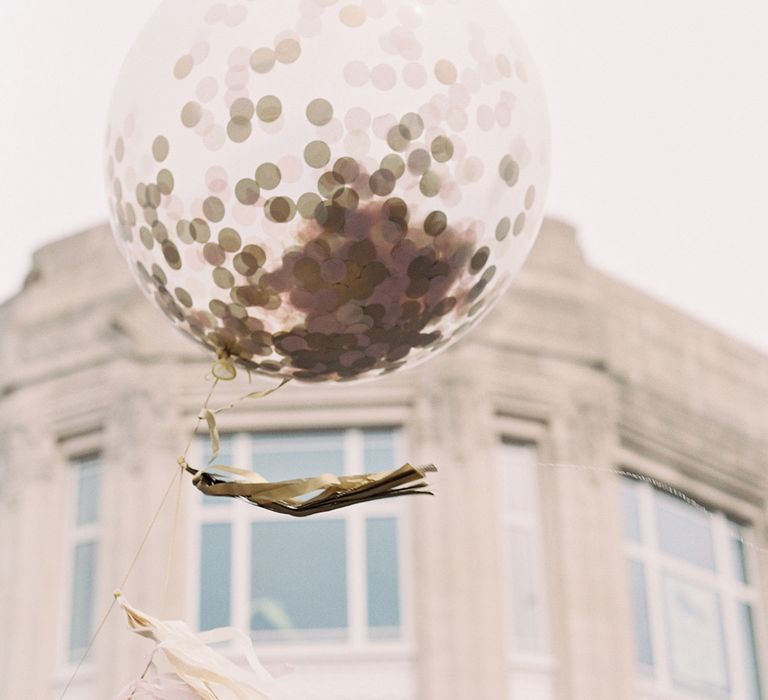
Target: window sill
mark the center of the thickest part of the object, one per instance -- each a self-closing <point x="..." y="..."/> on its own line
<point x="649" y="690"/>
<point x="535" y="663"/>
<point x="85" y="676"/>
<point x="327" y="654"/>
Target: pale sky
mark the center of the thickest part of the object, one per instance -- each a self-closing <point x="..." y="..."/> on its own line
<point x="659" y="111"/>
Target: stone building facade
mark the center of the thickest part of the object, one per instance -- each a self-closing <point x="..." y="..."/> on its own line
<point x="599" y="530"/>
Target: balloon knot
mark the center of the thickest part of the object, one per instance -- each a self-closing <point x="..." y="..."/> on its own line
<point x="224" y="368"/>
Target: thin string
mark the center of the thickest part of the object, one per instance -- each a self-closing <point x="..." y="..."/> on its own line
<point x="176" y="475"/>
<point x="174" y="530"/>
<point x="660" y="485"/>
<point x="172" y="544"/>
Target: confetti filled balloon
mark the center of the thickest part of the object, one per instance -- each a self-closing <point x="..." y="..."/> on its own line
<point x="327" y="189"/>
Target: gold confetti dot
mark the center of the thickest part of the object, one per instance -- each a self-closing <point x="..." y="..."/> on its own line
<point x="429" y="185"/>
<point x="159" y="275"/>
<point x="184" y="232"/>
<point x="223" y="278"/>
<point x="239" y="129"/>
<point x="200" y="230"/>
<point x="435" y="223"/>
<point x="287" y="51"/>
<point x="269" y="108"/>
<point x="395" y="139"/>
<point x="307" y="204"/>
<point x="218" y="308"/>
<point x="213" y="208"/>
<point x="247" y="191"/>
<point x="165" y="181"/>
<point x="184" y="66"/>
<point x="530" y="197"/>
<point x="191" y="114"/>
<point x="242" y="107"/>
<point x="521" y="71"/>
<point x="509" y="170"/>
<point x="479" y="259"/>
<point x="352" y="15"/>
<point x="347" y="168"/>
<point x="442" y="149"/>
<point x="503" y="228"/>
<point x="159" y="232"/>
<point x="502" y="63"/>
<point x="267" y="176"/>
<point x="411" y="126"/>
<point x="263" y="60"/>
<point x="346" y="198"/>
<point x="519" y="225"/>
<point x="229" y="240"/>
<point x="160" y="148"/>
<point x="214" y="254"/>
<point x="329" y="183"/>
<point x="419" y="161"/>
<point x="119" y="150"/>
<point x="319" y="111"/>
<point x="382" y="182"/>
<point x="317" y="154"/>
<point x="183" y="296"/>
<point x="280" y="209"/>
<point x="250" y="259"/>
<point x="154" y="196"/>
<point x="394" y="163"/>
<point x="145" y="235"/>
<point x="445" y="72"/>
<point x="445" y="306"/>
<point x="171" y="255"/>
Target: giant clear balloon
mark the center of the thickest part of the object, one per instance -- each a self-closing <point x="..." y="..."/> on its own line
<point x="327" y="189"/>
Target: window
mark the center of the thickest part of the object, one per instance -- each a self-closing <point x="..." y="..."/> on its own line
<point x="85" y="521"/>
<point x="336" y="577"/>
<point x="692" y="596"/>
<point x="524" y="575"/>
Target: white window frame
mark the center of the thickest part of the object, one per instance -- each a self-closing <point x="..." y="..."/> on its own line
<point x="539" y="667"/>
<point x="240" y="515"/>
<point x="658" y="682"/>
<point x="77" y="534"/>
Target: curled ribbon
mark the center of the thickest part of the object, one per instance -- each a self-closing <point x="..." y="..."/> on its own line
<point x="292" y="497"/>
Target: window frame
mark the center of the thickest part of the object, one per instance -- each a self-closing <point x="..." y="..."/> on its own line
<point x="75" y="534"/>
<point x="511" y="429"/>
<point x="241" y="515"/>
<point x="658" y="681"/>
<point x="530" y="523"/>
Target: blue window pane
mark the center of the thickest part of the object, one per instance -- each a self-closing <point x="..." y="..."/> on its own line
<point x="524" y="577"/>
<point x="215" y="575"/>
<point x="630" y="509"/>
<point x="299" y="579"/>
<point x="684" y="531"/>
<point x="88" y="489"/>
<point x="641" y="620"/>
<point x="695" y="637"/>
<point x="519" y="478"/>
<point x="83" y="596"/>
<point x="379" y="450"/>
<point x="749" y="645"/>
<point x="738" y="553"/>
<point x="281" y="456"/>
<point x="383" y="576"/>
